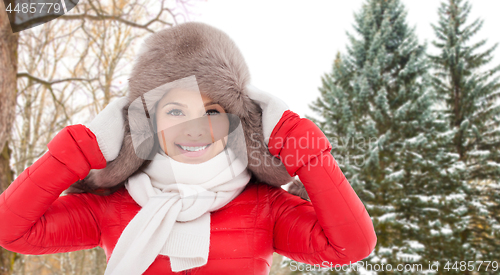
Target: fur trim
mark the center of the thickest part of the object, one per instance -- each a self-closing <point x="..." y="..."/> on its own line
<point x="179" y="52"/>
<point x="297" y="188"/>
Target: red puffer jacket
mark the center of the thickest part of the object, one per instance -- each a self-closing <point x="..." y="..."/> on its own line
<point x="335" y="228"/>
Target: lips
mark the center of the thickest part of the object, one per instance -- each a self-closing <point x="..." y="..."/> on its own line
<point x="194" y="153"/>
<point x="195" y="148"/>
<point x="198" y="144"/>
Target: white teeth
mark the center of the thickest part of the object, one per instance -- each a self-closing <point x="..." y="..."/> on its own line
<point x="193" y="149"/>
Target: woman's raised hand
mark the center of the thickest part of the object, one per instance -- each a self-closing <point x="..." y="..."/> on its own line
<point x="109" y="128"/>
<point x="272" y="109"/>
<point x="292" y="139"/>
<point x="75" y="146"/>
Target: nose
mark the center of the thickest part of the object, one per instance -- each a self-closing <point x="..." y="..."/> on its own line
<point x="197" y="127"/>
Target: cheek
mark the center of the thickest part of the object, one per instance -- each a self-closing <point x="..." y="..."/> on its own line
<point x="162" y="124"/>
<point x="166" y="136"/>
<point x="166" y="131"/>
<point x="221" y="129"/>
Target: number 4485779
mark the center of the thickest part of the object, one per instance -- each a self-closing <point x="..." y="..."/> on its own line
<point x="471" y="265"/>
<point x="32" y="7"/>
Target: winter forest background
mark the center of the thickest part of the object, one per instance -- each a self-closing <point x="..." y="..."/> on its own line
<point x="423" y="130"/>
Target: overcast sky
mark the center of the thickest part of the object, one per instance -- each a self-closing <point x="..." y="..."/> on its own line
<point x="289" y="45"/>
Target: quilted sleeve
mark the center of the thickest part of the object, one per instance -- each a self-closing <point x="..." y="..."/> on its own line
<point x="34" y="218"/>
<point x="334" y="228"/>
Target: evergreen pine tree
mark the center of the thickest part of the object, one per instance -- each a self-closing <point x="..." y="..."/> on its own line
<point x="471" y="95"/>
<point x="389" y="139"/>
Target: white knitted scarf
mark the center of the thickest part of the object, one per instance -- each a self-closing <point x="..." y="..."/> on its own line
<point x="176" y="200"/>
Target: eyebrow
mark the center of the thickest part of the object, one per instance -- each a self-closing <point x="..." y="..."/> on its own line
<point x="182" y="105"/>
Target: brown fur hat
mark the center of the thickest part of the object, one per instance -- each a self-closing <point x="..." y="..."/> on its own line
<point x="209" y="54"/>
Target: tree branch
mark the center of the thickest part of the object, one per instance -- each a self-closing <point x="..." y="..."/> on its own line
<point x="101" y="17"/>
<point x="46" y="82"/>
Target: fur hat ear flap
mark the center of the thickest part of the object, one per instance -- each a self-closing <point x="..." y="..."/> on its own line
<point x="266" y="167"/>
<point x="297" y="188"/>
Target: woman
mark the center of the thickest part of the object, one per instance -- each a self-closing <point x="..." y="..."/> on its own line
<point x="155" y="208"/>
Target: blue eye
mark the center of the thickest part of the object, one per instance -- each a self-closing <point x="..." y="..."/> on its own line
<point x="213" y="111"/>
<point x="173" y="111"/>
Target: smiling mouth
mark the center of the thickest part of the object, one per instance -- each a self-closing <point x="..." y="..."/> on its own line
<point x="193" y="148"/>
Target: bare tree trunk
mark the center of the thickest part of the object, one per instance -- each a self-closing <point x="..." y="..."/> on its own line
<point x="8" y="92"/>
<point x="8" y="78"/>
<point x="7" y="258"/>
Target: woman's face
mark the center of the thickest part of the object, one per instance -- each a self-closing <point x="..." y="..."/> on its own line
<point x="191" y="129"/>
